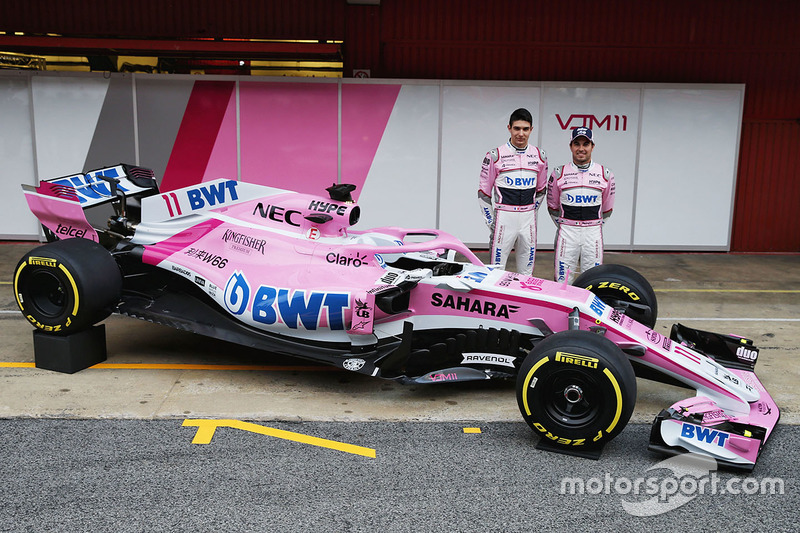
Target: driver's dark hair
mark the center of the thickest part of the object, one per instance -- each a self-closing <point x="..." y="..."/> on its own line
<point x="520" y="114"/>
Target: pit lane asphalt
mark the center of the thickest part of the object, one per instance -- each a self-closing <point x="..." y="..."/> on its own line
<point x="752" y="295"/>
<point x="146" y="475"/>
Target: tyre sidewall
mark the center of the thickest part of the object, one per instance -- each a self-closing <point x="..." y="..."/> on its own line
<point x="619" y="282"/>
<point x="87" y="275"/>
<point x="600" y="369"/>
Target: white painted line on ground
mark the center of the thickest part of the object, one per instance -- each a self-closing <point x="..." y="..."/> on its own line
<point x="722" y="319"/>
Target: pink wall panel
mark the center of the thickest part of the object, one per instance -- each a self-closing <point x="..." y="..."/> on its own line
<point x="222" y="160"/>
<point x="365" y="112"/>
<point x="198" y="133"/>
<point x="289" y="134"/>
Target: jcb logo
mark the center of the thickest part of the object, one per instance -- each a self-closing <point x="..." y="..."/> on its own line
<point x="609" y="122"/>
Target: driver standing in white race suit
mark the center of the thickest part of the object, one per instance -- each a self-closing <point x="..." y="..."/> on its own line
<point x="580" y="197"/>
<point x="512" y="184"/>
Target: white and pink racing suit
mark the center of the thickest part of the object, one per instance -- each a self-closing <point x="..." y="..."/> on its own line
<point x="512" y="179"/>
<point x="579" y="200"/>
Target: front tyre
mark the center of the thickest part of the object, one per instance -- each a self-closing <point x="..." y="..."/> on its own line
<point x="576" y="389"/>
<point x="622" y="288"/>
<point x="67" y="286"/>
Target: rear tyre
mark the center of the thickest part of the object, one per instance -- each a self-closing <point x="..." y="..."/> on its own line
<point x="576" y="389"/>
<point x="67" y="286"/>
<point x="624" y="289"/>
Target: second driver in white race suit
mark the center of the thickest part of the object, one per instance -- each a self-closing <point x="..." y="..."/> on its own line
<point x="512" y="184"/>
<point x="580" y="197"/>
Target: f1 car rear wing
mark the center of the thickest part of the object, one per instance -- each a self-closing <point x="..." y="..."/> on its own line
<point x="105" y="185"/>
<point x="59" y="203"/>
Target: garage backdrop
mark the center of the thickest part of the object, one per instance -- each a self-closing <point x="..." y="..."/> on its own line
<point x="683" y="41"/>
<point x="412" y="147"/>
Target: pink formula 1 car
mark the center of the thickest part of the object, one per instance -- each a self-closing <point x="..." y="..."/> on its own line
<point x="285" y="272"/>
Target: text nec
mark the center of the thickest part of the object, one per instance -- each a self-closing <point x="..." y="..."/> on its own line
<point x="212" y="194"/>
<point x="703" y="434"/>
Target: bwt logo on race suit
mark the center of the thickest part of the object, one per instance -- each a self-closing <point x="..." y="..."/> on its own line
<point x="293" y="307"/>
<point x="582" y="198"/>
<point x="520" y="182"/>
<point x="610" y="122"/>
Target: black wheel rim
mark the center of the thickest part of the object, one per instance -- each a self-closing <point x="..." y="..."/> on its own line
<point x="48" y="294"/>
<point x="572" y="397"/>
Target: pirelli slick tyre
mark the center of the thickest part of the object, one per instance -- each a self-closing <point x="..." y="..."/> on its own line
<point x="67" y="286"/>
<point x="622" y="287"/>
<point x="576" y="389"/>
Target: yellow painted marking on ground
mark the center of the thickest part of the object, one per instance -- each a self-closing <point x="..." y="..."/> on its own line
<point x="168" y="366"/>
<point x="191" y="366"/>
<point x="206" y="429"/>
<point x="472" y="430"/>
<point x="770" y="291"/>
<point x="5" y="283"/>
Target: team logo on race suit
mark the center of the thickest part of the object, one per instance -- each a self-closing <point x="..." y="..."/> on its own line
<point x="292" y="307"/>
<point x="585" y="199"/>
<point x="521" y="182"/>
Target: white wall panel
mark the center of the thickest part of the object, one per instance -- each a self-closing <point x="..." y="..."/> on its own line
<point x="65" y="112"/>
<point x="613" y="115"/>
<point x="401" y="184"/>
<point x="475" y="120"/>
<point x="16" y="159"/>
<point x="687" y="167"/>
